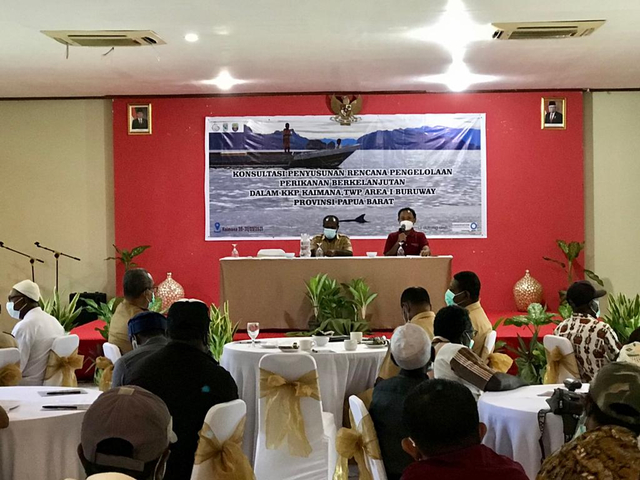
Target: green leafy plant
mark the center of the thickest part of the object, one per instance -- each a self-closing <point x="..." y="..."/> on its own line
<point x="221" y="330"/>
<point x="624" y="315"/>
<point x="104" y="312"/>
<point x="65" y="314"/>
<point x="571" y="252"/>
<point x="361" y="296"/>
<point x="126" y="256"/>
<point x="530" y="357"/>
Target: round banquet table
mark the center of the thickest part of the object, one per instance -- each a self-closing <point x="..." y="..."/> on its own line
<point x="512" y="424"/>
<point x="41" y="444"/>
<point x="340" y="374"/>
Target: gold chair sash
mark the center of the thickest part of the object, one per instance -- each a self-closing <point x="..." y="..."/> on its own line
<point x="228" y="461"/>
<point x="66" y="365"/>
<point x="500" y="362"/>
<point x="357" y="442"/>
<point x="104" y="364"/>
<point x="555" y="361"/>
<point x="283" y="414"/>
<point x="10" y="375"/>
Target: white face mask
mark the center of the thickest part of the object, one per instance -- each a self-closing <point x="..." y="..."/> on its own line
<point x="408" y="225"/>
<point x="12" y="311"/>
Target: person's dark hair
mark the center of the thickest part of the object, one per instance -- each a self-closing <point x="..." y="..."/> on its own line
<point x="441" y="415"/>
<point x="118" y="447"/>
<point x="635" y="336"/>
<point x="188" y="320"/>
<point x="415" y="296"/>
<point x="592" y="410"/>
<point x="407" y="209"/>
<point x="136" y="282"/>
<point x="286" y="125"/>
<point x="451" y="323"/>
<point x="469" y="282"/>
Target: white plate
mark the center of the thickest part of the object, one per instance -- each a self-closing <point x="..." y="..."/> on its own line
<point x="268" y="345"/>
<point x="375" y="346"/>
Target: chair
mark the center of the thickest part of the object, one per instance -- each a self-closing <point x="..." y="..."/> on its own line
<point x="320" y="428"/>
<point x="63" y="362"/>
<point x="490" y="342"/>
<point x="358" y="412"/>
<point x="10" y="374"/>
<point x="111" y="351"/>
<point x="561" y="360"/>
<point x="221" y="422"/>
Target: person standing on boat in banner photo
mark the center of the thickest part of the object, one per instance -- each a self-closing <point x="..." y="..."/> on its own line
<point x="413" y="242"/>
<point x="332" y="243"/>
<point x="286" y="138"/>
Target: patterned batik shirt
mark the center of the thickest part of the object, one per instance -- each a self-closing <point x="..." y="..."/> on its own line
<point x="594" y="343"/>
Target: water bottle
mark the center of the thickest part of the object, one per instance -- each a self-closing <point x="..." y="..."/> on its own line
<point x="319" y="252"/>
<point x="400" y="252"/>
<point x="305" y="245"/>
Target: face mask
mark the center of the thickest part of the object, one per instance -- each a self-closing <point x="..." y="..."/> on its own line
<point x="595" y="306"/>
<point x="153" y="299"/>
<point x="12" y="311"/>
<point x="449" y="298"/>
<point x="408" y="225"/>
<point x="330" y="233"/>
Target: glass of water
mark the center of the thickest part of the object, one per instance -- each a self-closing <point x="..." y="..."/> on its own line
<point x="253" y="329"/>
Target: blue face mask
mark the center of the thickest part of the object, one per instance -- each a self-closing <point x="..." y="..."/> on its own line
<point x="153" y="299"/>
<point x="330" y="233"/>
<point x="449" y="298"/>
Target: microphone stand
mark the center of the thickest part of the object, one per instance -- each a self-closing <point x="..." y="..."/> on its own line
<point x="32" y="260"/>
<point x="57" y="256"/>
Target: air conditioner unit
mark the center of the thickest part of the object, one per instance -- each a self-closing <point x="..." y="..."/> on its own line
<point x="105" y="38"/>
<point x="542" y="30"/>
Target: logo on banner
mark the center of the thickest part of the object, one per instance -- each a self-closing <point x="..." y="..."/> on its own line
<point x="217" y="228"/>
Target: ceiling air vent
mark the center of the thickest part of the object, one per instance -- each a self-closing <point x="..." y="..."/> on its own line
<point x="105" y="38"/>
<point x="541" y="30"/>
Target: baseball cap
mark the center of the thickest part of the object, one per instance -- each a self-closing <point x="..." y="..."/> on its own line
<point x="134" y="415"/>
<point x="145" y="321"/>
<point x="582" y="292"/>
<point x="28" y="289"/>
<point x="410" y="347"/>
<point x="616" y="391"/>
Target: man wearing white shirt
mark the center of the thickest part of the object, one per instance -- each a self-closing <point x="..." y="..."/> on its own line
<point x="34" y="332"/>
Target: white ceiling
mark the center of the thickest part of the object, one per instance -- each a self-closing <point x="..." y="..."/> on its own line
<point x="305" y="46"/>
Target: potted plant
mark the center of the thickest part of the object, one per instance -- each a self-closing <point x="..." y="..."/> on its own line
<point x="66" y="315"/>
<point x="126" y="256"/>
<point x="104" y="312"/>
<point x="221" y="330"/>
<point x="361" y="295"/>
<point x="624" y="315"/>
<point x="571" y="252"/>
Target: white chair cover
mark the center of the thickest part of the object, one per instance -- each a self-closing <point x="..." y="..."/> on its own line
<point x="490" y="342"/>
<point x="551" y="342"/>
<point x="111" y="351"/>
<point x="9" y="356"/>
<point x="320" y="430"/>
<point x="63" y="347"/>
<point x="223" y="420"/>
<point x="358" y="411"/>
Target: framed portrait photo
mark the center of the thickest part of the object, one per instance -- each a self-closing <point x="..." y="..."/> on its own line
<point x="139" y="119"/>
<point x="554" y="113"/>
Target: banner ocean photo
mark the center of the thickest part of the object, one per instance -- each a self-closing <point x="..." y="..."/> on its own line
<point x="277" y="177"/>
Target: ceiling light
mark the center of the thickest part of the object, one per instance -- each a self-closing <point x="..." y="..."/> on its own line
<point x="224" y="81"/>
<point x="191" y="37"/>
<point x="458" y="77"/>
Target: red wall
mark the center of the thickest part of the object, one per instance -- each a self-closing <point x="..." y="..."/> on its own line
<point x="534" y="182"/>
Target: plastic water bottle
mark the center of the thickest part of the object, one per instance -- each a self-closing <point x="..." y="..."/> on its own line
<point x="305" y="245"/>
<point x="319" y="252"/>
<point x="400" y="252"/>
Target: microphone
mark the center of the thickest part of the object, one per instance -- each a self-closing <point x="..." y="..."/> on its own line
<point x="402" y="229"/>
<point x="37" y="244"/>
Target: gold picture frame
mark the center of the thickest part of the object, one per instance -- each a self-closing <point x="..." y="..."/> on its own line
<point x="553" y="113"/>
<point x="139" y="119"/>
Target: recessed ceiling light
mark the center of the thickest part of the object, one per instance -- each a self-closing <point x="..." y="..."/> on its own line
<point x="191" y="37"/>
<point x="224" y="81"/>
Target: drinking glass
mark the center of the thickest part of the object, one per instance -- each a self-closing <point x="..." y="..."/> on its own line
<point x="234" y="252"/>
<point x="253" y="329"/>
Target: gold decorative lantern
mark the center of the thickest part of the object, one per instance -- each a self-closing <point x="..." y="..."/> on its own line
<point x="169" y="291"/>
<point x="526" y="291"/>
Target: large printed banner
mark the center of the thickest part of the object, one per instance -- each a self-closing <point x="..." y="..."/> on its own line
<point x="277" y="177"/>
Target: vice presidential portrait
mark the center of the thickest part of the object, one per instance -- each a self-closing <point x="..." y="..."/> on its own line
<point x="553" y="113"/>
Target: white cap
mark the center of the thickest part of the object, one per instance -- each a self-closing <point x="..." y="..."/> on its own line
<point x="410" y="347"/>
<point x="28" y="289"/>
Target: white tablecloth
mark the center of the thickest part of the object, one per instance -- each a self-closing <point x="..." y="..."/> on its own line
<point x="41" y="444"/>
<point x="340" y="375"/>
<point x="512" y="422"/>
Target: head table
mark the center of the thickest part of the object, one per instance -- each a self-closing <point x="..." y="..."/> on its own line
<point x="340" y="374"/>
<point x="512" y="424"/>
<point x="41" y="444"/>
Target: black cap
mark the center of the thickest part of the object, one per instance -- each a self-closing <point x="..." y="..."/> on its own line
<point x="582" y="292"/>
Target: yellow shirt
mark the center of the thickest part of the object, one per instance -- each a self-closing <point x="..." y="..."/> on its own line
<point x="341" y="242"/>
<point x="118" y="329"/>
<point x="423" y="320"/>
<point x="482" y="326"/>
